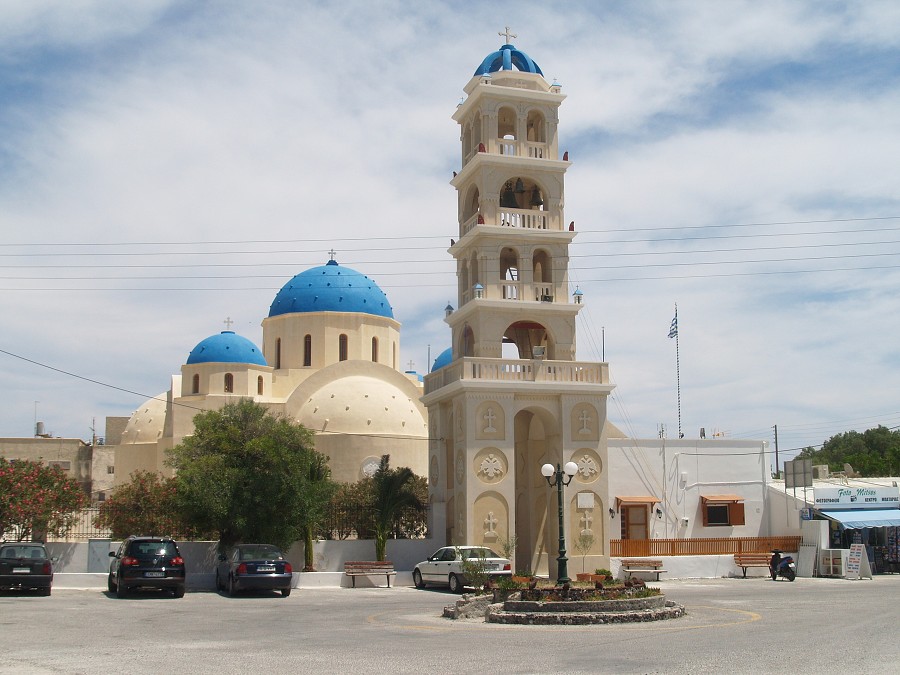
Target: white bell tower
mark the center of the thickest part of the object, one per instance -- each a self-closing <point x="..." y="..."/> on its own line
<point x="514" y="397"/>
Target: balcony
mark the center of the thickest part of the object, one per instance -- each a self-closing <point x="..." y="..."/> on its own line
<point x="517" y="370"/>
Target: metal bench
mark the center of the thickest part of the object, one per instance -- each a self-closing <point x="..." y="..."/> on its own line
<point x="746" y="560"/>
<point x="633" y="565"/>
<point x="365" y="568"/>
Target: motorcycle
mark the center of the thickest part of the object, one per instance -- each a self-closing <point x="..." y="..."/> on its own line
<point x="782" y="566"/>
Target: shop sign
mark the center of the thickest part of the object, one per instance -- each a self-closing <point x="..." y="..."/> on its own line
<point x="847" y="497"/>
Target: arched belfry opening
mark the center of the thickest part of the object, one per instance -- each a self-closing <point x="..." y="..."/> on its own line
<point x="530" y="338"/>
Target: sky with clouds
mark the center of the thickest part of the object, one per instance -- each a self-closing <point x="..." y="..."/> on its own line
<point x="165" y="165"/>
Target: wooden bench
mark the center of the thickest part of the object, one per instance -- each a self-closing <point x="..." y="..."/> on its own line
<point x="745" y="560"/>
<point x="633" y="565"/>
<point x="364" y="568"/>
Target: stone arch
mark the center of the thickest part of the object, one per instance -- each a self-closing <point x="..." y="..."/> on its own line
<point x="537" y="441"/>
<point x="536" y="127"/>
<point x="491" y="514"/>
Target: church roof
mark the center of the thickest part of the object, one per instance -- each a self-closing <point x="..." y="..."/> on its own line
<point x="331" y="288"/>
<point x="443" y="359"/>
<point x="226" y="347"/>
<point x="505" y="58"/>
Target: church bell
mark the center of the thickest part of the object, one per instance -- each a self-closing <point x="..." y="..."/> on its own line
<point x="508" y="198"/>
<point x="536" y="198"/>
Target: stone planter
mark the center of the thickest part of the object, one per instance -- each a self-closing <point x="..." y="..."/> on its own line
<point x="566" y="606"/>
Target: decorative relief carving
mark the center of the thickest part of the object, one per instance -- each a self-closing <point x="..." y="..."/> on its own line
<point x="584" y="422"/>
<point x="589" y="465"/>
<point x="587" y="519"/>
<point x="460" y="469"/>
<point x="433" y="470"/>
<point x="490" y="465"/>
<point x="489" y="418"/>
<point x="490" y="526"/>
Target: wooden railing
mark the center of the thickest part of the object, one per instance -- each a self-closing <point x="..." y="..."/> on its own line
<point x="627" y="548"/>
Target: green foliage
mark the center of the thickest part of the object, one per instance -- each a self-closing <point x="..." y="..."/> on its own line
<point x="394" y="490"/>
<point x="873" y="453"/>
<point x="508" y="546"/>
<point x="474" y="569"/>
<point x="147" y="504"/>
<point x="583" y="545"/>
<point x="250" y="476"/>
<point x="603" y="572"/>
<point x="37" y="500"/>
<point x="506" y="583"/>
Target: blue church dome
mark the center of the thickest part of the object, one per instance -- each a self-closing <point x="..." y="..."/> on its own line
<point x="505" y="58"/>
<point x="331" y="288"/>
<point x="226" y="347"/>
<point x="443" y="359"/>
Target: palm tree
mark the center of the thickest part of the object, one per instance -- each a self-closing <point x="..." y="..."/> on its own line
<point x="392" y="493"/>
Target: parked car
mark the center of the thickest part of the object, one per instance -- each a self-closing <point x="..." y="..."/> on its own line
<point x="445" y="566"/>
<point x="26" y="566"/>
<point x="146" y="562"/>
<point x="254" y="567"/>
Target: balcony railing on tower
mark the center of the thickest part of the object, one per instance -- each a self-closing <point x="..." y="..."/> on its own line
<point x="517" y="370"/>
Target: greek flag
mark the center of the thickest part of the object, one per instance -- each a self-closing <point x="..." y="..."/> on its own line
<point x="673" y="329"/>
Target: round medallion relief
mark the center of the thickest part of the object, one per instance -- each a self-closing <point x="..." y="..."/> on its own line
<point x="490" y="465"/>
<point x="589" y="465"/>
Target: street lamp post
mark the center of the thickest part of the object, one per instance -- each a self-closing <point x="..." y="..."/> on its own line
<point x="560" y="477"/>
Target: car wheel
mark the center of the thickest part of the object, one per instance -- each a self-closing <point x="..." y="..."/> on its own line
<point x="219" y="586"/>
<point x="231" y="589"/>
<point x="417" y="579"/>
<point x="121" y="589"/>
<point x="456" y="585"/>
<point x="285" y="592"/>
<point x="45" y="591"/>
<point x="110" y="584"/>
<point x="178" y="591"/>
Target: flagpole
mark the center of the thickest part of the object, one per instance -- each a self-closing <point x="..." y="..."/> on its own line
<point x="673" y="332"/>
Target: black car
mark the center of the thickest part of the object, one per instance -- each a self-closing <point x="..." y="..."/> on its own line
<point x="25" y="566"/>
<point x="254" y="567"/>
<point x="146" y="562"/>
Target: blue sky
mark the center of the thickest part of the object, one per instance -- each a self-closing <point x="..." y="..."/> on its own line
<point x="165" y="165"/>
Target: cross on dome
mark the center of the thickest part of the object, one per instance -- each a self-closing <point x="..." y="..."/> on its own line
<point x="508" y="35"/>
<point x="228" y="322"/>
<point x="331" y="254"/>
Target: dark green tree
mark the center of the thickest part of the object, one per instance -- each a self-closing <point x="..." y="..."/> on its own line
<point x="393" y="493"/>
<point x="873" y="453"/>
<point x="249" y="476"/>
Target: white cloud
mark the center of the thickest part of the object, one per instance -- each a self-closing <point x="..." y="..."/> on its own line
<point x="329" y="126"/>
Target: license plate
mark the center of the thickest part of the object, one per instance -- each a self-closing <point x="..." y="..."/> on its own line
<point x="265" y="568"/>
<point x="491" y="567"/>
<point x="154" y="574"/>
<point x="21" y="570"/>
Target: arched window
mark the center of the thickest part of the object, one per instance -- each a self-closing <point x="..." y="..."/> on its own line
<point x="229" y="383"/>
<point x="195" y="384"/>
<point x="259" y="385"/>
<point x="342" y="347"/>
<point x="278" y="353"/>
<point x="307" y="350"/>
<point x="375" y="349"/>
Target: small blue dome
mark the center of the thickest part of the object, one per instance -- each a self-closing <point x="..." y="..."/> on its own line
<point x="226" y="347"/>
<point x="443" y="359"/>
<point x="505" y="58"/>
<point x="331" y="288"/>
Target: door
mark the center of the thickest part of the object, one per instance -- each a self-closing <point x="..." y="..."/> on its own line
<point x="634" y="521"/>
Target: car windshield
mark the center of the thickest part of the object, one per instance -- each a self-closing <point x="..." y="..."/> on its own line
<point x="23" y="551"/>
<point x="154" y="548"/>
<point x="260" y="552"/>
<point x="478" y="553"/>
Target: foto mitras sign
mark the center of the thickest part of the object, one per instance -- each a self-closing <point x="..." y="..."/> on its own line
<point x="857" y="497"/>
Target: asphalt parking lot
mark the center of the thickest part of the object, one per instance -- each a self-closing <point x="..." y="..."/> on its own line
<point x="732" y="625"/>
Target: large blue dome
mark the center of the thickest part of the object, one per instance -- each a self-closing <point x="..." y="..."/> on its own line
<point x="505" y="58"/>
<point x="443" y="359"/>
<point x="226" y="347"/>
<point x="331" y="288"/>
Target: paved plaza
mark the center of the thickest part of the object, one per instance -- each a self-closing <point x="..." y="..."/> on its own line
<point x="732" y="625"/>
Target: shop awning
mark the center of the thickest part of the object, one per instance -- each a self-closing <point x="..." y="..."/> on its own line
<point x="720" y="499"/>
<point x="858" y="519"/>
<point x="635" y="501"/>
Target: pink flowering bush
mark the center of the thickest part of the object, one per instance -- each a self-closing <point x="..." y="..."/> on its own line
<point x="37" y="500"/>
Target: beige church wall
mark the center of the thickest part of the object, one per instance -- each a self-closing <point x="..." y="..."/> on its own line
<point x="349" y="455"/>
<point x="212" y="379"/>
<point x="588" y="515"/>
<point x="325" y="329"/>
<point x="491" y="520"/>
<point x="138" y="457"/>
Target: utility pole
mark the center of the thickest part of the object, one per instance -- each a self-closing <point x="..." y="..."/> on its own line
<point x="777" y="473"/>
